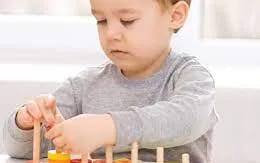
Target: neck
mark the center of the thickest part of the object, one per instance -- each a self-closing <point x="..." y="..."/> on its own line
<point x="150" y="69"/>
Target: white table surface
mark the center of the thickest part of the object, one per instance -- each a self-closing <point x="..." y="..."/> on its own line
<point x="4" y="158"/>
<point x="7" y="159"/>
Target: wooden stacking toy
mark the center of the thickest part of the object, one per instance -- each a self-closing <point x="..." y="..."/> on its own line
<point x="55" y="157"/>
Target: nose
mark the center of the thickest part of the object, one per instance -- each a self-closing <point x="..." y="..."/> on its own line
<point x="114" y="32"/>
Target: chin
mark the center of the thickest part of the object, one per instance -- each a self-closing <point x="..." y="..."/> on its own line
<point x="126" y="66"/>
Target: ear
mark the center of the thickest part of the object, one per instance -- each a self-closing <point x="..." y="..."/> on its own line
<point x="179" y="13"/>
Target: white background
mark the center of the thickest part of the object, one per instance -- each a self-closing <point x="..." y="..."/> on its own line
<point x="36" y="53"/>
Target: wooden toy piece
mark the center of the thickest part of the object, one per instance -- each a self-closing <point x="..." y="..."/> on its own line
<point x="36" y="141"/>
<point x="99" y="161"/>
<point x="85" y="158"/>
<point x="78" y="161"/>
<point x="122" y="160"/>
<point x="54" y="157"/>
<point x="134" y="153"/>
<point x="76" y="158"/>
<point x="185" y="158"/>
<point x="109" y="154"/>
<point x="75" y="161"/>
<point x="160" y="155"/>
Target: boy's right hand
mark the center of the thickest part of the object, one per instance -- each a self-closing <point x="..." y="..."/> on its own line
<point x="42" y="108"/>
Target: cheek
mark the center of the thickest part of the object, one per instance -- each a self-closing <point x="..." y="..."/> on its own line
<point x="102" y="39"/>
<point x="151" y="41"/>
<point x="152" y="34"/>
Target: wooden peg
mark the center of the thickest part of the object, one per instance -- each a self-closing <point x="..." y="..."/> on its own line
<point x="185" y="158"/>
<point x="84" y="158"/>
<point x="109" y="154"/>
<point x="134" y="153"/>
<point x="36" y="141"/>
<point x="160" y="155"/>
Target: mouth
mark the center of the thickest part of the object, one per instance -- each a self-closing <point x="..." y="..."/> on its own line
<point x="118" y="53"/>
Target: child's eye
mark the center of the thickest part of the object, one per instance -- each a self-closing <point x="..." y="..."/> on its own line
<point x="127" y="22"/>
<point x="100" y="22"/>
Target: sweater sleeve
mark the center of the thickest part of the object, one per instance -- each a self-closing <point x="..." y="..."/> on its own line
<point x="185" y="116"/>
<point x="19" y="143"/>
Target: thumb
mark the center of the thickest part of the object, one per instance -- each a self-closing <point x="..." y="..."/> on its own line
<point x="58" y="119"/>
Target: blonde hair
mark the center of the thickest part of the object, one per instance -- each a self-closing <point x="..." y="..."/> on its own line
<point x="165" y="2"/>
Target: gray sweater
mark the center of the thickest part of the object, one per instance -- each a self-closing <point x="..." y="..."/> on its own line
<point x="173" y="108"/>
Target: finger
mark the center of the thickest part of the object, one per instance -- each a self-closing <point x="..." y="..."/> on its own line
<point x="33" y="110"/>
<point x="47" y="113"/>
<point x="58" y="150"/>
<point x="67" y="149"/>
<point x="53" y="132"/>
<point x="50" y="102"/>
<point x="63" y="149"/>
<point x="28" y="118"/>
<point x="59" y="142"/>
<point x="58" y="118"/>
<point x="47" y="128"/>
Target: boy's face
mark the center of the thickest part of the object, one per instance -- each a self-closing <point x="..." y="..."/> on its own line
<point x="133" y="33"/>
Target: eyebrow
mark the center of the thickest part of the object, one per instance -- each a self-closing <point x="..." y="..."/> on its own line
<point x="120" y="11"/>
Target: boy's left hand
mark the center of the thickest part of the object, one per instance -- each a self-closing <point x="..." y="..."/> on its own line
<point x="84" y="133"/>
